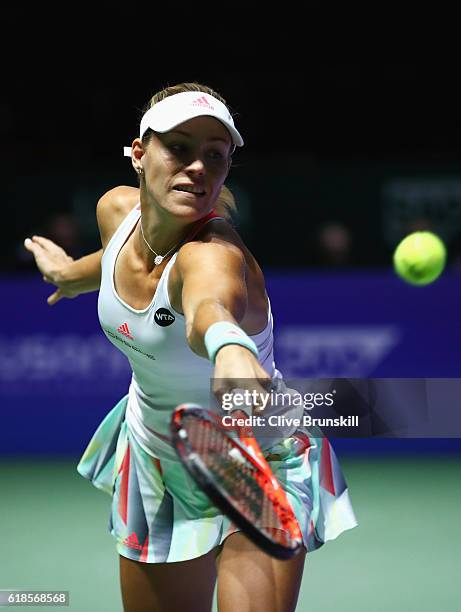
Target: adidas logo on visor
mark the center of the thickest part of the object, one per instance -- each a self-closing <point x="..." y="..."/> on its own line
<point x="203" y="102"/>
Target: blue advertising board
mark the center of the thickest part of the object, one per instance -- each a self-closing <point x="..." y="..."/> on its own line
<point x="59" y="375"/>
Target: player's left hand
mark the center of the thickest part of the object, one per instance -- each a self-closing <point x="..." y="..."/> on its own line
<point x="52" y="261"/>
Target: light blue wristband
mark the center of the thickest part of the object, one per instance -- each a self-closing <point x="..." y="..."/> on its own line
<point x="222" y="333"/>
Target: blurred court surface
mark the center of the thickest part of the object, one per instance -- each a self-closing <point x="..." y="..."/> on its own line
<point x="403" y="557"/>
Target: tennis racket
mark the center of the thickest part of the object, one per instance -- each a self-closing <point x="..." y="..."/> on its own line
<point x="228" y="465"/>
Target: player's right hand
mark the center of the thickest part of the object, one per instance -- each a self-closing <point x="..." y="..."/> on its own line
<point x="236" y="368"/>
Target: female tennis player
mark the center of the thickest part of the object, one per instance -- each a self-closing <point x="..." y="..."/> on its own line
<point x="182" y="297"/>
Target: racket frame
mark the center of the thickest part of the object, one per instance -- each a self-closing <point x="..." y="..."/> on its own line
<point x="204" y="478"/>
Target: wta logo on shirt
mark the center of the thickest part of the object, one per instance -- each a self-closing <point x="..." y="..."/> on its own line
<point x="164" y="317"/>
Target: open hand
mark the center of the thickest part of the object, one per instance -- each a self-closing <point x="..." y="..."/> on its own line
<point x="52" y="261"/>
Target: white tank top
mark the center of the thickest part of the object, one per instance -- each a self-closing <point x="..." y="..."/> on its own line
<point x="166" y="372"/>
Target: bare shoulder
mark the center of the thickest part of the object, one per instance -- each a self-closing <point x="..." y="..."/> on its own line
<point x="216" y="242"/>
<point x="113" y="207"/>
<point x="220" y="251"/>
<point x="220" y="232"/>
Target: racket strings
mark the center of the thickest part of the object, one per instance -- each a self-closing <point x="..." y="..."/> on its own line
<point x="251" y="492"/>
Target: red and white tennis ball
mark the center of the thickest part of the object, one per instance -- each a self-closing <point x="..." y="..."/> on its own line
<point x="420" y="258"/>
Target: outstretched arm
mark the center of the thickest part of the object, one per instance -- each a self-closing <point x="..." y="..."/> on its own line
<point x="214" y="292"/>
<point x="71" y="277"/>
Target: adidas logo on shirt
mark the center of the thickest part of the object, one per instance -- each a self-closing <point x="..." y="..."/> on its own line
<point x="124" y="329"/>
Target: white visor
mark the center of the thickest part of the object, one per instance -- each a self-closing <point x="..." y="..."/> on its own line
<point x="179" y="108"/>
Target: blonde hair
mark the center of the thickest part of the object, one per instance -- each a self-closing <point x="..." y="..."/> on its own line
<point x="225" y="204"/>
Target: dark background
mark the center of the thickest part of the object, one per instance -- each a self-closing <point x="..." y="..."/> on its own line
<point x="334" y="153"/>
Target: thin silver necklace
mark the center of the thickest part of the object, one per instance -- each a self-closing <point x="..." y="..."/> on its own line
<point x="158" y="258"/>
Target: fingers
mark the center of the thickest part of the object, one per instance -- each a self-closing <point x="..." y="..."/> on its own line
<point x="37" y="250"/>
<point x="39" y="255"/>
<point x="46" y="244"/>
<point x="54" y="297"/>
<point x="50" y="259"/>
<point x="32" y="246"/>
<point x="38" y="245"/>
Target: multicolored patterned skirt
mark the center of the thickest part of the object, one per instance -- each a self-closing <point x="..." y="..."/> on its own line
<point x="160" y="515"/>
